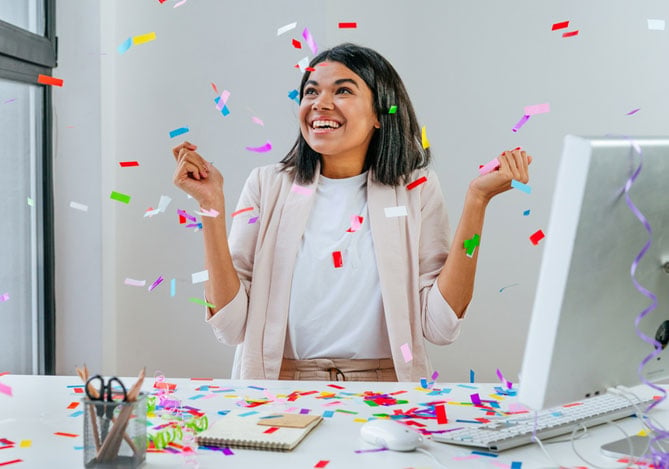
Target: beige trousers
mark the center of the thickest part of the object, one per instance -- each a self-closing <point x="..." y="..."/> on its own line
<point x="338" y="369"/>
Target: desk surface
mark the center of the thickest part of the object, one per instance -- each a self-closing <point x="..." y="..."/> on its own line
<point x="41" y="406"/>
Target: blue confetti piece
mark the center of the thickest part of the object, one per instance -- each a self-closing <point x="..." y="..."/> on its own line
<point x="225" y="111"/>
<point x="328" y="414"/>
<point x="423" y="383"/>
<point x="179" y="131"/>
<point x="467" y="386"/>
<point x="77" y="413"/>
<point x="520" y="186"/>
<point x="483" y="453"/>
<point x="257" y="387"/>
<point x="516" y="465"/>
<point x="173" y="287"/>
<point x="246" y="414"/>
<point x="526" y="212"/>
<point x="223" y="412"/>
<point x="294" y="95"/>
<point x="78" y="448"/>
<point x="197" y="396"/>
<point x="471" y="376"/>
<point x="123" y="48"/>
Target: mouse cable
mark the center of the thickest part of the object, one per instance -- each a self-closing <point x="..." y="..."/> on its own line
<point x="432" y="456"/>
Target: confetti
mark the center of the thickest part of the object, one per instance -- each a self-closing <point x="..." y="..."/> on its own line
<point x="224" y="110"/>
<point x="520" y="123"/>
<point x="241" y="210"/>
<point x="222" y="100"/>
<point x="304" y="64"/>
<point x="633" y="111"/>
<point x="337" y="259"/>
<point x="301" y="189"/>
<point x="199" y="277"/>
<point x="297" y="44"/>
<point x="25" y="444"/>
<point x="285" y="29"/>
<point x="476" y="400"/>
<point x="294" y="95"/>
<point x="416" y="183"/>
<point x="13" y="461"/>
<point x="520" y="186"/>
<point x="356" y="223"/>
<point x="306" y="34"/>
<point x="143" y="38"/>
<point x="179" y="131"/>
<point x="656" y="25"/>
<point x="526" y="212"/>
<point x="489" y="167"/>
<point x="157" y="282"/>
<point x="508" y="286"/>
<point x="262" y="149"/>
<point x="208" y="213"/>
<point x="440" y="412"/>
<point x="123" y="48"/>
<point x="201" y="302"/>
<point x="47" y="80"/>
<point x="537" y="109"/>
<point x="321" y="463"/>
<point x="173" y="287"/>
<point x="178" y="4"/>
<point x="258" y="121"/>
<point x="134" y="283"/>
<point x="78" y="206"/>
<point x="570" y="33"/>
<point x="5" y="389"/>
<point x="69" y="435"/>
<point x="352" y="25"/>
<point x="471" y="244"/>
<point x="392" y="109"/>
<point x="406" y="353"/>
<point x="561" y="25"/>
<point x="472" y="376"/>
<point x="4" y="297"/>
<point x="423" y="137"/>
<point x="399" y="211"/>
<point x="127" y="164"/>
<point x="252" y="220"/>
<point x="537" y="236"/>
<point x="120" y="197"/>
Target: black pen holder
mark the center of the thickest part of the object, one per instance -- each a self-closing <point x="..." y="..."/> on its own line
<point x="114" y="433"/>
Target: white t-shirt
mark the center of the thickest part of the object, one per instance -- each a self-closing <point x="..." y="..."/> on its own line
<point x="336" y="309"/>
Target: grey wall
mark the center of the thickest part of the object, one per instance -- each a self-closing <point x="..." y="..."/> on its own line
<point x="470" y="68"/>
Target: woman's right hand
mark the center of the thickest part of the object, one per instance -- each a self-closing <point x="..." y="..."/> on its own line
<point x="197" y="177"/>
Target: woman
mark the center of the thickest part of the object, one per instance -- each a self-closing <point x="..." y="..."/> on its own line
<point x="342" y="267"/>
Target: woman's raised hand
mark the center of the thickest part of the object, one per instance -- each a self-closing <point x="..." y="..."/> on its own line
<point x="197" y="177"/>
<point x="513" y="165"/>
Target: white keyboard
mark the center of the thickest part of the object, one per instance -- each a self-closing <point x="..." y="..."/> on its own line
<point x="517" y="430"/>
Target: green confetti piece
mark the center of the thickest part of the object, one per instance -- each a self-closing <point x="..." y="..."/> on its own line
<point x="371" y="403"/>
<point x="120" y="197"/>
<point x="346" y="411"/>
<point x="201" y="302"/>
<point x="30" y="202"/>
<point x="392" y="110"/>
<point x="470" y="244"/>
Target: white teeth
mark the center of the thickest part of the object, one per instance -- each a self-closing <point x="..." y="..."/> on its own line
<point x="320" y="124"/>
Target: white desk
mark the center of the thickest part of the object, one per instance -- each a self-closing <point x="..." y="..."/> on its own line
<point x="39" y="408"/>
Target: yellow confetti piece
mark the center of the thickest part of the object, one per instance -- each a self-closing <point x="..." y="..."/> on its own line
<point x="360" y="420"/>
<point x="25" y="444"/>
<point x="423" y="136"/>
<point x="643" y="433"/>
<point x="142" y="38"/>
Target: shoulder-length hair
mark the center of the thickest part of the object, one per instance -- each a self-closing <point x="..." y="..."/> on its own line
<point x="396" y="148"/>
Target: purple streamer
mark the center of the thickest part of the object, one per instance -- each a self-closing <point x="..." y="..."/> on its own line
<point x="659" y="458"/>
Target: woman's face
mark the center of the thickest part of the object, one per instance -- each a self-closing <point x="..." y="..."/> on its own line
<point x="337" y="117"/>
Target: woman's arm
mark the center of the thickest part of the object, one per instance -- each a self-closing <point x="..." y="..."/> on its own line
<point x="456" y="280"/>
<point x="201" y="180"/>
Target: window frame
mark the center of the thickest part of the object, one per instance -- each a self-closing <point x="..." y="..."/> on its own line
<point x="23" y="56"/>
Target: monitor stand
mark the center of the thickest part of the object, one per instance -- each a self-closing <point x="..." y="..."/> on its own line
<point x="638" y="444"/>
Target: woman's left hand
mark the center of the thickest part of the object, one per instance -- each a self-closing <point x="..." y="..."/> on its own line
<point x="513" y="165"/>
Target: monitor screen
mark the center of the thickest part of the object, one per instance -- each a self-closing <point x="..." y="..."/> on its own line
<point x="582" y="338"/>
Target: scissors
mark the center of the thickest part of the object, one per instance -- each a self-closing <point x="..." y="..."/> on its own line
<point x="104" y="393"/>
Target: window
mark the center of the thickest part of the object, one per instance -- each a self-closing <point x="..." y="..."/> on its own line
<point x="27" y="49"/>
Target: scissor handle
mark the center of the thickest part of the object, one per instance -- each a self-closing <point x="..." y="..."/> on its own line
<point x="110" y="392"/>
<point x="100" y="388"/>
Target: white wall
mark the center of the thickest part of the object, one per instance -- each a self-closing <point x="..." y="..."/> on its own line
<point x="470" y="68"/>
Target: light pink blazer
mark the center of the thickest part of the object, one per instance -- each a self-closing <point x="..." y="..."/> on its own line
<point x="410" y="252"/>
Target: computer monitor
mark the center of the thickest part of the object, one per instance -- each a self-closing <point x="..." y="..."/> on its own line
<point x="582" y="339"/>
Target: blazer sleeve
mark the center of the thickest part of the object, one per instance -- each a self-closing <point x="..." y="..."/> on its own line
<point x="229" y="323"/>
<point x="440" y="324"/>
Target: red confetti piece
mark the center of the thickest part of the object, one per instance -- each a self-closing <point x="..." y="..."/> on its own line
<point x="322" y="463"/>
<point x="337" y="259"/>
<point x="560" y="25"/>
<point x="348" y="25"/>
<point x="570" y="33"/>
<point x="310" y="69"/>
<point x="125" y="164"/>
<point x="47" y="80"/>
<point x="537" y="236"/>
<point x="297" y="44"/>
<point x="78" y="390"/>
<point x="271" y="430"/>
<point x="182" y="219"/>
<point x="204" y="379"/>
<point x="440" y="410"/>
<point x="7" y="463"/>
<point x="72" y="405"/>
<point x="416" y="183"/>
<point x="241" y="210"/>
<point x="336" y="386"/>
<point x="69" y="435"/>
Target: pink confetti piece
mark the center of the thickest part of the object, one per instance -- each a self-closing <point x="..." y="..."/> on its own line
<point x="252" y="220"/>
<point x="301" y="189"/>
<point x="262" y="149"/>
<point x="435" y="375"/>
<point x="633" y="111"/>
<point x="185" y="214"/>
<point x="537" y="109"/>
<point x="157" y="282"/>
<point x="208" y="213"/>
<point x="4" y="297"/>
<point x="258" y="121"/>
<point x="306" y="34"/>
<point x="5" y="389"/>
<point x="177" y="5"/>
<point x="223" y="100"/>
<point x="134" y="283"/>
<point x="356" y="223"/>
<point x="241" y="210"/>
<point x="406" y="353"/>
<point x="489" y="167"/>
<point x="520" y="123"/>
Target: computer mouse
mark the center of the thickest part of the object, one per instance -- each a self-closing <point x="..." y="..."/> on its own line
<point x="390" y="434"/>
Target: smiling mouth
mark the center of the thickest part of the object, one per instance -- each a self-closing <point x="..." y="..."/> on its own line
<point x="325" y="125"/>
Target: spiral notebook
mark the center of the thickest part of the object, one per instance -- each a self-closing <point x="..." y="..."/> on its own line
<point x="275" y="432"/>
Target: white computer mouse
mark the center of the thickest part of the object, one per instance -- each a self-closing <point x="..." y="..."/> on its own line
<point x="390" y="434"/>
